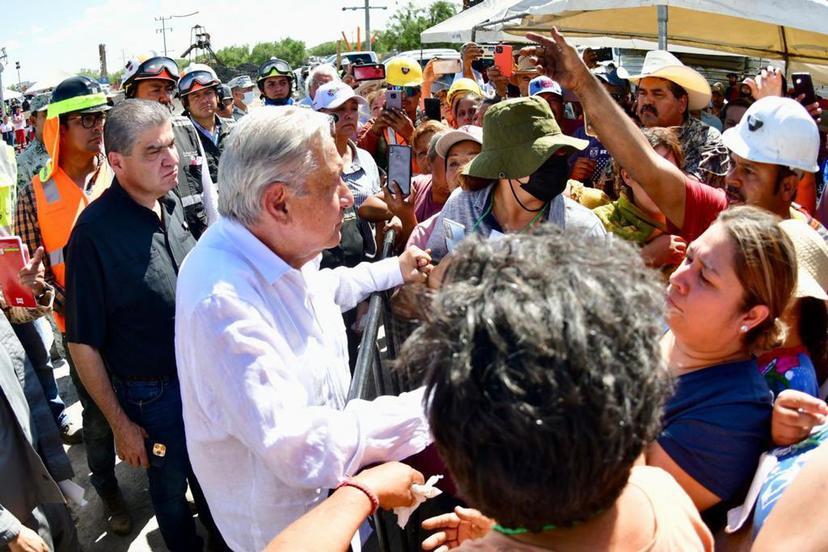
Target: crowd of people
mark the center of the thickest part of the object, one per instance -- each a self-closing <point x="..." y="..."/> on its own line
<point x="612" y="287"/>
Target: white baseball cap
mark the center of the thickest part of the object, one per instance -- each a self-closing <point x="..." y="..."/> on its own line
<point x="778" y="131"/>
<point x="464" y="133"/>
<point x="333" y="94"/>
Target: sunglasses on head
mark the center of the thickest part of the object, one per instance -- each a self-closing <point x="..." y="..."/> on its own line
<point x="89" y="120"/>
<point x="157" y="65"/>
<point x="201" y="77"/>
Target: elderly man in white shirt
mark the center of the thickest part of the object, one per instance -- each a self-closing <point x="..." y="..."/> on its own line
<point x="260" y="343"/>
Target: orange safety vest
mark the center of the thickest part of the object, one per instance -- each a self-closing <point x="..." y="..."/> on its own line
<point x="59" y="202"/>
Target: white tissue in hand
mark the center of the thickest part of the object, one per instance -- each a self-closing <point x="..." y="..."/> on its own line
<point x="421" y="494"/>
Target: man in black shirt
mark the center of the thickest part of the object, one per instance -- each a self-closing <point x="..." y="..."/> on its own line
<point x="123" y="259"/>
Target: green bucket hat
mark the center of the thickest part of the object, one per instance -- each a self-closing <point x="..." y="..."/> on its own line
<point x="519" y="135"/>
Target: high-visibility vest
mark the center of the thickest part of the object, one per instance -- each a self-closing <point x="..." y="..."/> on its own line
<point x="8" y="188"/>
<point x="59" y="202"/>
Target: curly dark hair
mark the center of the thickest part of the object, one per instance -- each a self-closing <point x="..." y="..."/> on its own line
<point x="543" y="372"/>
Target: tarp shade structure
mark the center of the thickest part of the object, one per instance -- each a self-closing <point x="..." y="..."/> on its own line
<point x="792" y="30"/>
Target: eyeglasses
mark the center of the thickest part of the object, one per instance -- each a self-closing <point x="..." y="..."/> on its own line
<point x="204" y="78"/>
<point x="90" y="120"/>
<point x="275" y="68"/>
<point x="157" y="65"/>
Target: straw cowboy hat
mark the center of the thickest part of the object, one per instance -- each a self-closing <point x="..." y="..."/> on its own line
<point x="664" y="65"/>
<point x="811" y="259"/>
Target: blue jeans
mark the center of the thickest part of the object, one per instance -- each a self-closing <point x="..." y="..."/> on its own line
<point x="36" y="338"/>
<point x="156" y="406"/>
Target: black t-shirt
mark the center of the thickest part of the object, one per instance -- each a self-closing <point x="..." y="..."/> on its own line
<point x="121" y="271"/>
<point x="356" y="243"/>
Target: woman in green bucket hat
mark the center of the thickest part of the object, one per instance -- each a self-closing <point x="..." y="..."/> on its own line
<point x="515" y="183"/>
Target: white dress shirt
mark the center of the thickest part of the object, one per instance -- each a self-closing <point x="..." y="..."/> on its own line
<point x="263" y="363"/>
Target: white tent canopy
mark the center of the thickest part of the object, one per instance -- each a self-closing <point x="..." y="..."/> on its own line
<point x="11" y="94"/>
<point x="460" y="27"/>
<point x="55" y="77"/>
<point x="793" y="30"/>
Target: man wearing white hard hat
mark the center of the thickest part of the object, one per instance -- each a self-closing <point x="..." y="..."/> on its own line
<point x="360" y="171"/>
<point x="667" y="92"/>
<point x="773" y="145"/>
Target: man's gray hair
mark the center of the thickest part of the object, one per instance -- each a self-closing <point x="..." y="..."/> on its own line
<point x="268" y="145"/>
<point x="128" y="119"/>
<point x="322" y="69"/>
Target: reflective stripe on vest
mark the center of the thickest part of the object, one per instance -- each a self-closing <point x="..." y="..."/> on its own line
<point x="56" y="257"/>
<point x="50" y="190"/>
<point x="186" y="201"/>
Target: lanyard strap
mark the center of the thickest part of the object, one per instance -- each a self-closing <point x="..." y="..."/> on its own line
<point x="490" y="206"/>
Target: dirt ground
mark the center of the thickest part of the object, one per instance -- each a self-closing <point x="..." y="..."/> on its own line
<point x="90" y="519"/>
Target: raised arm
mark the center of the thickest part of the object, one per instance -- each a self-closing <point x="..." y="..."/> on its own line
<point x="662" y="181"/>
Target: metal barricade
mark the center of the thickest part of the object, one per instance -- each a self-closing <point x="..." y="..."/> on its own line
<point x="372" y="379"/>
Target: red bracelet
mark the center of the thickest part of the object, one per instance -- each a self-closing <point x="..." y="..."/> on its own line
<point x="351" y="482"/>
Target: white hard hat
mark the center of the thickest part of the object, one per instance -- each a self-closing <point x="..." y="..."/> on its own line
<point x="778" y="131"/>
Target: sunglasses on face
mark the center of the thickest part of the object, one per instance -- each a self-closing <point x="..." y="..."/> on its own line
<point x="408" y="90"/>
<point x="157" y="65"/>
<point x="201" y="77"/>
<point x="89" y="120"/>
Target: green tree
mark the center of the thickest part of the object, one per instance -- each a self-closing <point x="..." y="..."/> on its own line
<point x="233" y="56"/>
<point x="324" y="49"/>
<point x="288" y="49"/>
<point x="405" y="26"/>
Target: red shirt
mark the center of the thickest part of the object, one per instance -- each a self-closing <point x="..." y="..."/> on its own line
<point x="702" y="205"/>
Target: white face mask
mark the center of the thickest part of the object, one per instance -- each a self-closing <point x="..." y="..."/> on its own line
<point x="249" y="97"/>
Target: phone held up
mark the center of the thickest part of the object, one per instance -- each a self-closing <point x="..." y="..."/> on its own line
<point x="393" y="100"/>
<point x="803" y="84"/>
<point x="369" y="71"/>
<point x="503" y="59"/>
<point x="399" y="169"/>
<point x="447" y="66"/>
<point x="432" y="109"/>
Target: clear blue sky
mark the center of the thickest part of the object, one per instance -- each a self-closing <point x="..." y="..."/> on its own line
<point x="60" y="34"/>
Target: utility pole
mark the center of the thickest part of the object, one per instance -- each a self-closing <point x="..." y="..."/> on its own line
<point x="102" y="56"/>
<point x="163" y="30"/>
<point x="19" y="84"/>
<point x="367" y="7"/>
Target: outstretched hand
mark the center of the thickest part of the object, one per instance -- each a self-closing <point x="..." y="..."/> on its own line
<point x="455" y="528"/>
<point x="561" y="61"/>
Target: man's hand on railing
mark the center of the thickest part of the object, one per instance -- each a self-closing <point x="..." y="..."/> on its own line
<point x="415" y="264"/>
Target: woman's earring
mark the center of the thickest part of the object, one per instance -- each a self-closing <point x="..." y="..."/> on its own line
<point x="744" y="328"/>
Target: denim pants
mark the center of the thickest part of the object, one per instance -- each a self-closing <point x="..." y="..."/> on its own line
<point x="156" y="406"/>
<point x="97" y="438"/>
<point x="36" y="338"/>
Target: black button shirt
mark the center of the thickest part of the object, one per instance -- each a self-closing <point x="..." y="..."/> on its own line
<point x="121" y="270"/>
